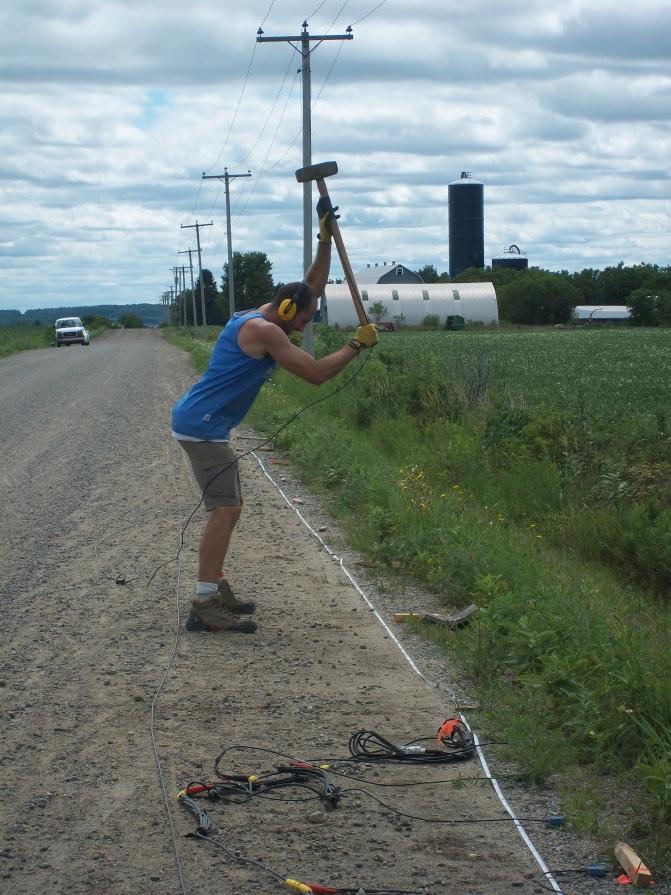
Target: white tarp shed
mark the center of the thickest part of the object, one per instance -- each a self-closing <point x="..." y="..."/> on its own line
<point x="412" y="302"/>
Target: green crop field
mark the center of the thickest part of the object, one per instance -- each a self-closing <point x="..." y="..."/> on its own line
<point x="20" y="338"/>
<point x="614" y="372"/>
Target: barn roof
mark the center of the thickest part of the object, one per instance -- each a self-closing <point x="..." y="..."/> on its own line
<point x="372" y="273"/>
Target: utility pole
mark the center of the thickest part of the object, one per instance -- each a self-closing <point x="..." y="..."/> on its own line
<point x="197" y="227"/>
<point x="180" y="314"/>
<point x="231" y="285"/>
<point x="182" y="280"/>
<point x="164" y="302"/>
<point x="193" y="290"/>
<point x="304" y="38"/>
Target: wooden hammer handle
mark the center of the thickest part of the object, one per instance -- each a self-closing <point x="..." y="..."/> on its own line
<point x="344" y="260"/>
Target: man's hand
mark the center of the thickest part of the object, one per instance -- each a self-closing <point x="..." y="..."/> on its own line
<point x="326" y="213"/>
<point x="366" y="335"/>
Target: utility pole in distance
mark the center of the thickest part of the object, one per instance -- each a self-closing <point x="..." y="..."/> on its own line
<point x="231" y="285"/>
<point x="197" y="227"/>
<point x="180" y="312"/>
<point x="304" y="38"/>
<point x="193" y="290"/>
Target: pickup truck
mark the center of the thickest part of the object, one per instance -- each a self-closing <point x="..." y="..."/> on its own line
<point x="70" y="330"/>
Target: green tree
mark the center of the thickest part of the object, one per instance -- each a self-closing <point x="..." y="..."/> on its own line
<point x="428" y="273"/>
<point x="253" y="281"/>
<point x="588" y="281"/>
<point x="131" y="321"/>
<point x="378" y="310"/>
<point x="650" y="308"/>
<point x="499" y="276"/>
<point x="95" y="321"/>
<point x="213" y="311"/>
<point x="619" y="282"/>
<point x="537" y="296"/>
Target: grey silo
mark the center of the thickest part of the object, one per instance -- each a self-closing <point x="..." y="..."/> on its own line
<point x="466" y="223"/>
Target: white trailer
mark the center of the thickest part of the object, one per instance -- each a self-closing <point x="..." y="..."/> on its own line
<point x="601" y="313"/>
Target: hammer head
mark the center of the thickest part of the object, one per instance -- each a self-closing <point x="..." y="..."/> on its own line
<point x="316" y="172"/>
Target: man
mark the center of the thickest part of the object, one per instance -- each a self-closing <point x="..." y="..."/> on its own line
<point x="249" y="348"/>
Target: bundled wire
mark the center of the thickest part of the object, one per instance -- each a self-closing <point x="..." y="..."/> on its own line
<point x="453" y="743"/>
<point x="238" y="788"/>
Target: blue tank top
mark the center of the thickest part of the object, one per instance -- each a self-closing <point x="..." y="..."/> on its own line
<point x="223" y="395"/>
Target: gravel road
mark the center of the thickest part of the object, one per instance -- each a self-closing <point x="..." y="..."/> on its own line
<point x="94" y="489"/>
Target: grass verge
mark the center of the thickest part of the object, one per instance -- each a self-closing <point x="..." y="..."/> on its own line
<point x="23" y="338"/>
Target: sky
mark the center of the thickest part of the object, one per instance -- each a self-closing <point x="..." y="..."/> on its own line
<point x="112" y="111"/>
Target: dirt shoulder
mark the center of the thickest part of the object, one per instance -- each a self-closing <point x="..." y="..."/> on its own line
<point x="104" y="493"/>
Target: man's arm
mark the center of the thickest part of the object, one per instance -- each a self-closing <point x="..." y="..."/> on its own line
<point x="277" y="344"/>
<point x="318" y="272"/>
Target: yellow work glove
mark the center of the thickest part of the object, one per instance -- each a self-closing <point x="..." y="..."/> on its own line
<point x="364" y="337"/>
<point x="326" y="213"/>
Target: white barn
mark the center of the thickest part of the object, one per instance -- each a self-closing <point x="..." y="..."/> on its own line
<point x="475" y="302"/>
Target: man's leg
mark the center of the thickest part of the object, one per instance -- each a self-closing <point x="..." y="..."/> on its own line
<point x="208" y="610"/>
<point x="215" y="540"/>
<point x="215" y="468"/>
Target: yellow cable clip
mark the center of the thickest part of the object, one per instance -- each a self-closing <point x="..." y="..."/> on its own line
<point x="181" y="793"/>
<point x="298" y="887"/>
<point x="252" y="778"/>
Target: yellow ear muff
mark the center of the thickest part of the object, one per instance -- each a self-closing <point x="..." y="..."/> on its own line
<point x="287" y="309"/>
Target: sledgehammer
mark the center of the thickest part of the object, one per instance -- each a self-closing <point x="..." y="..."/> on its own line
<point x="318" y="173"/>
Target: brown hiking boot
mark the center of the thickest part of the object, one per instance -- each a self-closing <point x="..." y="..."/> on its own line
<point x="230" y="601"/>
<point x="207" y="614"/>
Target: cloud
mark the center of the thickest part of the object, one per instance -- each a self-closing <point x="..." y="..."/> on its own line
<point x="110" y="112"/>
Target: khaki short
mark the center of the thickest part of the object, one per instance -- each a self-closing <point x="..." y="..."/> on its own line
<point x="215" y="467"/>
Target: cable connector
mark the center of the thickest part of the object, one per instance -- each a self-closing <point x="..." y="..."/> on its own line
<point x="596" y="869"/>
<point x="298" y="886"/>
<point x="414" y="750"/>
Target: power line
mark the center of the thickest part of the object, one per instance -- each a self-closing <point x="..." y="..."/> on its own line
<point x="264" y="169"/>
<point x="374" y="9"/>
<point x="268" y="13"/>
<point x="272" y="143"/>
<point x="200" y="182"/>
<point x="337" y="15"/>
<point x="286" y="73"/>
<point x="237" y="108"/>
<point x="312" y="14"/>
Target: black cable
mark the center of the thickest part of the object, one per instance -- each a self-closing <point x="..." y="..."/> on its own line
<point x="251" y="451"/>
<point x="342" y="890"/>
<point x="334" y="770"/>
<point x="444" y="820"/>
<point x="370" y="746"/>
<point x="238" y="857"/>
<point x="335" y="763"/>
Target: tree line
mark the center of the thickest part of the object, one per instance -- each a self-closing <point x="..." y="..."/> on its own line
<point x="533" y="296"/>
<point x="253" y="286"/>
<point x="537" y="296"/>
